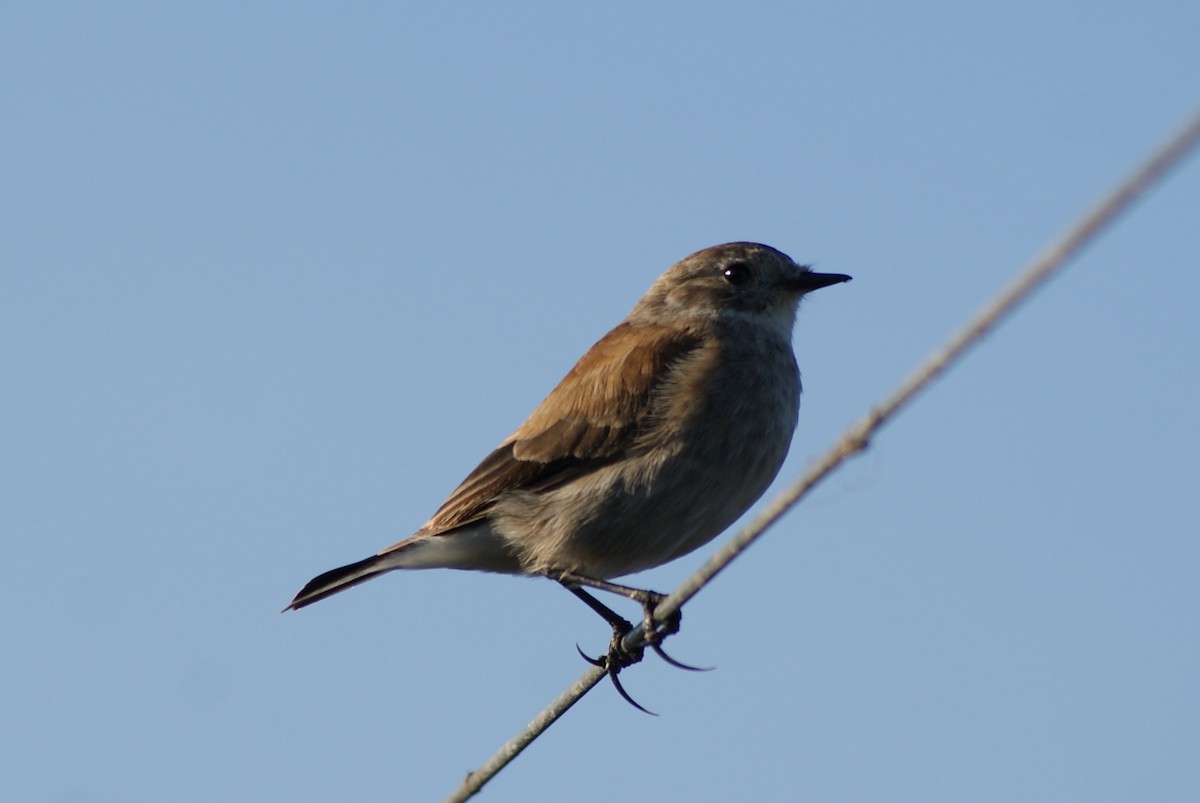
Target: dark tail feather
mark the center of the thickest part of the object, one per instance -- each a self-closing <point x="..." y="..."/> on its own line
<point x="337" y="580"/>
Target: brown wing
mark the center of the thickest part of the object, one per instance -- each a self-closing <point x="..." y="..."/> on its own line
<point x="591" y="418"/>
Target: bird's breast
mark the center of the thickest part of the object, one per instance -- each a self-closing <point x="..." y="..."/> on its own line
<point x="716" y="432"/>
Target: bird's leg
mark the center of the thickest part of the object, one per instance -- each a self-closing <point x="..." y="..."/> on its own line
<point x="619" y="656"/>
<point x="653" y="631"/>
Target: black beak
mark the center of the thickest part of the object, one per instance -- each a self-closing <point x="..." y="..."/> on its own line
<point x="807" y="281"/>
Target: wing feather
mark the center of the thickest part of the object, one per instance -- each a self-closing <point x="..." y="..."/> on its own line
<point x="593" y="417"/>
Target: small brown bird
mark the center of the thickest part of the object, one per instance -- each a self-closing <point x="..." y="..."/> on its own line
<point x="661" y="436"/>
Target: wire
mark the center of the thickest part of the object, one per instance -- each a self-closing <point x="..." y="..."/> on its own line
<point x="857" y="438"/>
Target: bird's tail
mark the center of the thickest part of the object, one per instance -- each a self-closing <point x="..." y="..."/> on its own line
<point x="474" y="547"/>
<point x="340" y="579"/>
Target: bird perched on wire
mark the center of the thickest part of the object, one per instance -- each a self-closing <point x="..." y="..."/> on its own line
<point x="659" y="438"/>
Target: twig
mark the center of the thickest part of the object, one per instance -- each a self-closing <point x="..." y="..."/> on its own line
<point x="475" y="780"/>
<point x="857" y="437"/>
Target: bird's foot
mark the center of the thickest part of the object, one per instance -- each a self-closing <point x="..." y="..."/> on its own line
<point x="654" y="631"/>
<point x="617" y="658"/>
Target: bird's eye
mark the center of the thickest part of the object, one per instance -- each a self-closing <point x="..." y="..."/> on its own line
<point x="737" y="273"/>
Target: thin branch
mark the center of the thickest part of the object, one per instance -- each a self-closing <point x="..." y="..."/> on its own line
<point x="549" y="715"/>
<point x="858" y="437"/>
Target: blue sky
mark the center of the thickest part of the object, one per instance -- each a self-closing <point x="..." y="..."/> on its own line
<point x="273" y="279"/>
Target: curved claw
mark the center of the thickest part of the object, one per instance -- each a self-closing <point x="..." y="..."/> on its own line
<point x="612" y="674"/>
<point x="677" y="664"/>
<point x="612" y="667"/>
<point x="593" y="661"/>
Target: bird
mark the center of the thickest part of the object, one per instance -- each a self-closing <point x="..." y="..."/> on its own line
<point x="666" y="430"/>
